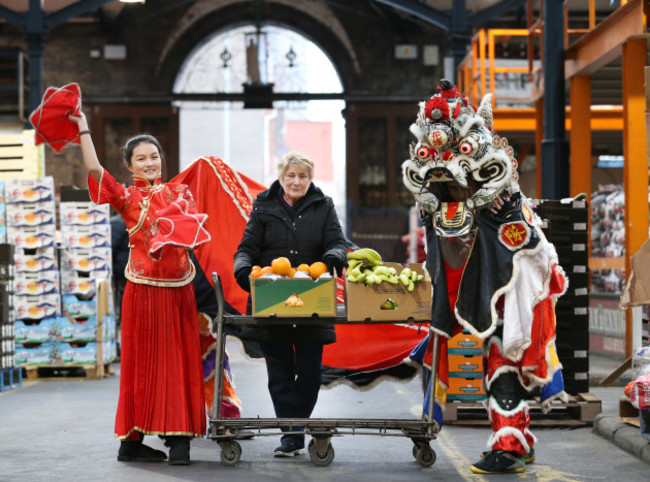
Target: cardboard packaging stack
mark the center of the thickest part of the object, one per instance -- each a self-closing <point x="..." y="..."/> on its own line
<point x="88" y="321"/>
<point x="465" y="367"/>
<point x="31" y="228"/>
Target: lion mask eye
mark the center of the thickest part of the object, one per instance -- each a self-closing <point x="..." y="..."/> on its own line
<point x="468" y="146"/>
<point x="423" y="152"/>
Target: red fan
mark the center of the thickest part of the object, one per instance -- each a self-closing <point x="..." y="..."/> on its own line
<point x="50" y="119"/>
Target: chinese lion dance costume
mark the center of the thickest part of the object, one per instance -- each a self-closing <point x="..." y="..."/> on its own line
<point x="494" y="273"/>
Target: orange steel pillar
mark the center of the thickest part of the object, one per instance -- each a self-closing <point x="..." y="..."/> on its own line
<point x="635" y="171"/>
<point x="539" y="135"/>
<point x="580" y="157"/>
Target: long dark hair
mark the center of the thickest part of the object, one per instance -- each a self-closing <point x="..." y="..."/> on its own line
<point x="133" y="142"/>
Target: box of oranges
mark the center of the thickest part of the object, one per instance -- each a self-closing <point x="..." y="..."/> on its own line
<point x="281" y="290"/>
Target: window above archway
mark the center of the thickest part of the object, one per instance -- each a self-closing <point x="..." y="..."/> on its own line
<point x="226" y="61"/>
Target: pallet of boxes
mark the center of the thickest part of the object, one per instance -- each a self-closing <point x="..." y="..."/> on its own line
<point x="10" y="374"/>
<point x="86" y="293"/>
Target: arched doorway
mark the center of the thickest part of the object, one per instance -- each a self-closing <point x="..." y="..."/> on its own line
<point x="251" y="140"/>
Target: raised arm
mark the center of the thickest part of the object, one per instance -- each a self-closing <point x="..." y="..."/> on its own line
<point x="87" y="147"/>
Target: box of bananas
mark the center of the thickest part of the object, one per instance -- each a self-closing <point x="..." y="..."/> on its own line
<point x="385" y="291"/>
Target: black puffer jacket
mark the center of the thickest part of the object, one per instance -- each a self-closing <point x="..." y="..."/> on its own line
<point x="314" y="234"/>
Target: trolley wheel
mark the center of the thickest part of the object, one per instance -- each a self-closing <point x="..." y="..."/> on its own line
<point x="230" y="453"/>
<point x="425" y="455"/>
<point x="318" y="458"/>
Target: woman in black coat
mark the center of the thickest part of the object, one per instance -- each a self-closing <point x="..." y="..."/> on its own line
<point x="294" y="219"/>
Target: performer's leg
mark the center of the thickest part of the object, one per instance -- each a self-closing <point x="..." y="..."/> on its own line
<point x="508" y="411"/>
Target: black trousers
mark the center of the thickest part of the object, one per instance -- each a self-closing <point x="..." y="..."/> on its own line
<point x="294" y="373"/>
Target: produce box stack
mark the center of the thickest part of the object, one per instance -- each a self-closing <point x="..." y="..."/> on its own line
<point x="566" y="226"/>
<point x="88" y="324"/>
<point x="31" y="227"/>
<point x="465" y="356"/>
<point x="3" y="214"/>
<point x="10" y="375"/>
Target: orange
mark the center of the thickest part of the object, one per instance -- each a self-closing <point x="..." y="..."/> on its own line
<point x="303" y="267"/>
<point x="281" y="266"/>
<point x="256" y="273"/>
<point x="293" y="272"/>
<point x="317" y="269"/>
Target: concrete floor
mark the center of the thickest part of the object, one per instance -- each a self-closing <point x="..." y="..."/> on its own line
<point x="62" y="430"/>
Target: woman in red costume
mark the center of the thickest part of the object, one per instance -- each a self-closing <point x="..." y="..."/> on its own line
<point x="161" y="379"/>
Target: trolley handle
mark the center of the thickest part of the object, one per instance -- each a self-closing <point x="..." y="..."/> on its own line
<point x="218" y="291"/>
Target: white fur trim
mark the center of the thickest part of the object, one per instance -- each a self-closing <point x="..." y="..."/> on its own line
<point x="522" y="406"/>
<point x="505" y="432"/>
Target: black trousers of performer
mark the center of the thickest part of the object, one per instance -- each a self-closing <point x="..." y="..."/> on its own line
<point x="294" y="372"/>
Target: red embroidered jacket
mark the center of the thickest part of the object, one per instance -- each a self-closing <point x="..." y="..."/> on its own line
<point x="138" y="205"/>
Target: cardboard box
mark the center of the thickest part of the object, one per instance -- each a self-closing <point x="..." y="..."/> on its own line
<point x="36" y="307"/>
<point x="465" y="386"/>
<point x="463" y="366"/>
<point x="30" y="214"/>
<point x="637" y="288"/>
<point x="464" y="340"/>
<point x="88" y="236"/>
<point x="40" y="259"/>
<point x="36" y="283"/>
<point x="32" y="236"/>
<point x="86" y="259"/>
<point x="270" y="298"/>
<point x="364" y="302"/>
<point x="83" y="213"/>
<point x="29" y="190"/>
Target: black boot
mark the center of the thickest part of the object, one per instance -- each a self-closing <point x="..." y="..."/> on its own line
<point x="136" y="451"/>
<point x="179" y="450"/>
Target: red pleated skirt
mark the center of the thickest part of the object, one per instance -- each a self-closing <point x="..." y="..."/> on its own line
<point x="161" y="373"/>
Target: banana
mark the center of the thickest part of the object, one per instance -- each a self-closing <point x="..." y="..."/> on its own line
<point x="411" y="286"/>
<point x="406" y="272"/>
<point x="405" y="280"/>
<point x="381" y="270"/>
<point x="366" y="255"/>
<point x="414" y="275"/>
<point x="353" y="263"/>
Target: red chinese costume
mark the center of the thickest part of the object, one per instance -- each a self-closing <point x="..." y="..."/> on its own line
<point x="161" y="379"/>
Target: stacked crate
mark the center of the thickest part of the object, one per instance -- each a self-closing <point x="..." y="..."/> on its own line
<point x="10" y="375"/>
<point x="31" y="227"/>
<point x="88" y="324"/>
<point x="465" y="356"/>
<point x="566" y="225"/>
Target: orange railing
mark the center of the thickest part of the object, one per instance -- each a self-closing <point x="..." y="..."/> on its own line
<point x="477" y="72"/>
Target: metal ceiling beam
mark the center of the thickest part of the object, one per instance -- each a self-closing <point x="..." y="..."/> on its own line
<point x="77" y="9"/>
<point x="428" y="14"/>
<point x="17" y="19"/>
<point x="498" y="9"/>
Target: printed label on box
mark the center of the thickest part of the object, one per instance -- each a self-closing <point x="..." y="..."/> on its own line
<point x="32" y="236"/>
<point x="37" y="283"/>
<point x="40" y="259"/>
<point x="94" y="235"/>
<point x="83" y="213"/>
<point x="86" y="259"/>
<point x="29" y="190"/>
<point x="30" y="214"/>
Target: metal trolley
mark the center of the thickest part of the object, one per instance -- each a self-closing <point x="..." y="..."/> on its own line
<point x="226" y="431"/>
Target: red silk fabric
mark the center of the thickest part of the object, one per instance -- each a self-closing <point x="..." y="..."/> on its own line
<point x="50" y="119"/>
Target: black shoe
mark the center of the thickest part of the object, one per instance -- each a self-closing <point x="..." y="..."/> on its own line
<point x="179" y="450"/>
<point x="499" y="462"/>
<point x="136" y="451"/>
<point x="529" y="458"/>
<point x="289" y="449"/>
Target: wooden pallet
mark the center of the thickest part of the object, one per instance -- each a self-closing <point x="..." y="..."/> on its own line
<point x="628" y="413"/>
<point x="581" y="409"/>
<point x="66" y="372"/>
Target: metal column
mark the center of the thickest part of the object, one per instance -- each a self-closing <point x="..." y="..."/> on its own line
<point x="555" y="165"/>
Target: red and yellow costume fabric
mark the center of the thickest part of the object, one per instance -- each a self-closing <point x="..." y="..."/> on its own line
<point x="161" y="379"/>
